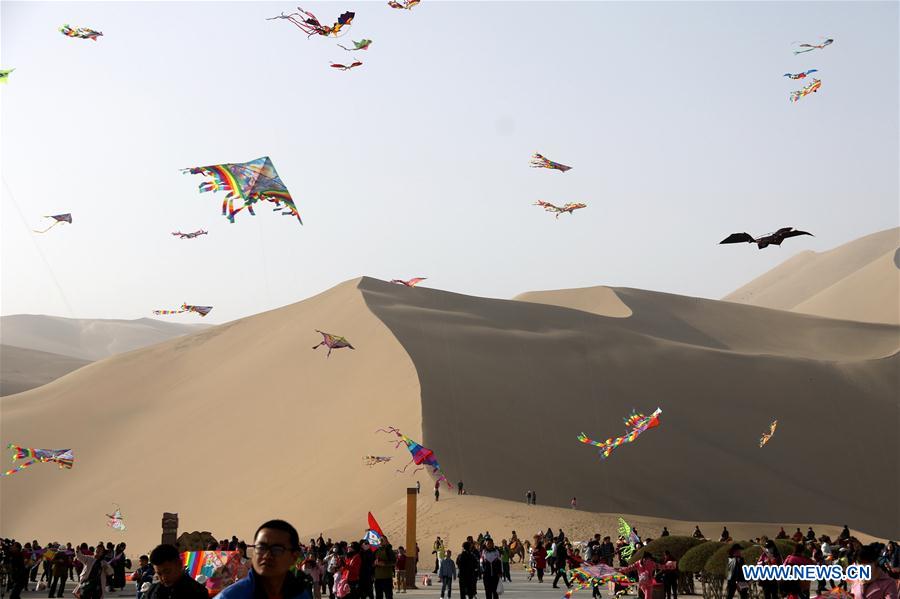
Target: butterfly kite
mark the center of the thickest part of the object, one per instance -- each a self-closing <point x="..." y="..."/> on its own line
<point x="248" y="181"/>
<point x="538" y="161"/>
<point x="589" y="576"/>
<point x="410" y="283"/>
<point x="346" y="67"/>
<point x="201" y="310"/>
<point x="630" y="536"/>
<point x="801" y="75"/>
<point x="116" y="520"/>
<point x="181" y="235"/>
<point x="570" y="208"/>
<point x="766" y="436"/>
<point x="362" y="44"/>
<point x="421" y="456"/>
<point x="332" y="342"/>
<point x="309" y="24"/>
<point x="374" y="535"/>
<point x="637" y="422"/>
<point x="63" y="457"/>
<point x="372" y="460"/>
<point x="811" y="47"/>
<point x="59" y="218"/>
<point x="808" y="89"/>
<point x="82" y="32"/>
<point x="403" y="4"/>
<point x="4" y="75"/>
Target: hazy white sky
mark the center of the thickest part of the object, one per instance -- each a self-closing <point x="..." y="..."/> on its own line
<point x="674" y="115"/>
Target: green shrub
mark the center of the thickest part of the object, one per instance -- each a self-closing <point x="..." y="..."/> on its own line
<point x="695" y="558"/>
<point x="677" y="546"/>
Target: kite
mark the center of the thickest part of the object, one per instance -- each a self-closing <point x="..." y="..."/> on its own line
<point x="63" y="457"/>
<point x="538" y="161"/>
<point x="410" y="283"/>
<point x="801" y="75"/>
<point x="769" y="239"/>
<point x="420" y="455"/>
<point x="82" y="32"/>
<point x="59" y="218"/>
<point x="812" y="88"/>
<point x="4" y="75"/>
<point x="811" y="47"/>
<point x="346" y="67"/>
<point x="372" y="460"/>
<point x="403" y="4"/>
<point x="332" y="342"/>
<point x="190" y="235"/>
<point x="116" y="520"/>
<point x="570" y="208"/>
<point x="766" y="436"/>
<point x="309" y="24"/>
<point x="221" y="568"/>
<point x="374" y="535"/>
<point x="630" y="536"/>
<point x="637" y="422"/>
<point x="586" y="577"/>
<point x="362" y="44"/>
<point x="249" y="181"/>
<point x="201" y="310"/>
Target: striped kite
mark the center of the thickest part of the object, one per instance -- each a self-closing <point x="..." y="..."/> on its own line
<point x="332" y="342"/>
<point x="570" y="208"/>
<point x="82" y="32"/>
<point x="538" y="161"/>
<point x="362" y="44"/>
<point x="766" y="436"/>
<point x="63" y="457"/>
<point x="421" y="456"/>
<point x="811" y="47"/>
<point x="59" y="218"/>
<point x="248" y="181"/>
<point x="372" y="460"/>
<point x="410" y="283"/>
<point x="637" y="422"/>
<point x="588" y="576"/>
<point x="201" y="310"/>
<point x="116" y="520"/>
<point x="4" y="75"/>
<point x="808" y="89"/>
<point x="181" y="235"/>
<point x="310" y="25"/>
<point x="403" y="4"/>
<point x="801" y="75"/>
<point x="346" y="67"/>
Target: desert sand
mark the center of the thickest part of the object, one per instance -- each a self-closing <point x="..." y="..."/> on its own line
<point x="23" y="369"/>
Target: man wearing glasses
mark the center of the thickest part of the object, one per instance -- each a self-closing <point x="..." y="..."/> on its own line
<point x="275" y="550"/>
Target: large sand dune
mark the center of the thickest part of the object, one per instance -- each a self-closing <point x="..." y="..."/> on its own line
<point x="23" y="369"/>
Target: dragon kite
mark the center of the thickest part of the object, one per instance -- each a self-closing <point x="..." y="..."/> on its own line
<point x="82" y="32"/>
<point x="116" y="520"/>
<point x="766" y="240"/>
<point x="63" y="457"/>
<point x="310" y="25"/>
<point x="538" y="161"/>
<point x="421" y="456"/>
<point x="410" y="283"/>
<point x="403" y="4"/>
<point x="4" y="75"/>
<point x="570" y="207"/>
<point x="811" y="88"/>
<point x="181" y="235"/>
<point x="332" y="342"/>
<point x="248" y="181"/>
<point x="362" y="44"/>
<point x="372" y="460"/>
<point x="811" y="47"/>
<point x="346" y="67"/>
<point x="589" y="576"/>
<point x="636" y="422"/>
<point x="59" y="218"/>
<point x="201" y="310"/>
<point x="801" y="75"/>
<point x="766" y="436"/>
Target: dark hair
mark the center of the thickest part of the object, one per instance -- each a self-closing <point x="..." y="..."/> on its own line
<point x="144" y="557"/>
<point x="284" y="527"/>
<point x="869" y="553"/>
<point x="798" y="549"/>
<point x="162" y="554"/>
<point x="735" y="547"/>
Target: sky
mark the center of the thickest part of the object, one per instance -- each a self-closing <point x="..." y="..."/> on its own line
<point x="674" y="116"/>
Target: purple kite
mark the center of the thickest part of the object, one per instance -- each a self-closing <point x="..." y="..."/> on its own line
<point x="421" y="456"/>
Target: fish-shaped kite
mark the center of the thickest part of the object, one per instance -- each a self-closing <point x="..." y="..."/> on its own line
<point x="766" y="240"/>
<point x="116" y="520"/>
<point x="4" y="75"/>
<point x="362" y="44"/>
<point x="811" y="88"/>
<point x="346" y="67"/>
<point x="81" y="32"/>
<point x="373" y="460"/>
<point x="538" y="161"/>
<point x="59" y="218"/>
<point x="201" y="310"/>
<point x="801" y="75"/>
<point x="766" y="436"/>
<point x="332" y="342"/>
<point x="570" y="208"/>
<point x="811" y="47"/>
<point x="181" y="235"/>
<point x="636" y="422"/>
<point x="63" y="457"/>
<point x="403" y="4"/>
<point x="421" y="456"/>
<point x="410" y="283"/>
<point x="588" y="576"/>
<point x="251" y="182"/>
<point x="309" y="24"/>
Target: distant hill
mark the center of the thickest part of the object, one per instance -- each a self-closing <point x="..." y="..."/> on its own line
<point x="23" y="369"/>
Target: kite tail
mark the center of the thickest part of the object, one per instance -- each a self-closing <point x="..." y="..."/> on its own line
<point x="20" y="467"/>
<point x="48" y="228"/>
<point x="390" y="429"/>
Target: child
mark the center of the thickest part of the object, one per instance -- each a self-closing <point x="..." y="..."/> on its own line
<point x="447" y="573"/>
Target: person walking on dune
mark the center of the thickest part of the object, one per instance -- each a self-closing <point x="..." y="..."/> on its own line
<point x="437" y="490"/>
<point x="574" y="503"/>
<point x="459" y="488"/>
<point x="528" y="497"/>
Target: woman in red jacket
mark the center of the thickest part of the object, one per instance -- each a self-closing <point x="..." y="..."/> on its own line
<point x="540" y="560"/>
<point x="351" y="569"/>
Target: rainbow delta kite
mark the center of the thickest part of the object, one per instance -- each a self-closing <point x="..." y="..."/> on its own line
<point x="82" y="32"/>
<point x="332" y="342"/>
<point x="201" y="310"/>
<point x="116" y="520"/>
<point x="372" y="460"/>
<point x="589" y="576"/>
<point x="310" y="25"/>
<point x="410" y="283"/>
<point x="812" y="88"/>
<point x="538" y="161"/>
<point x="766" y="436"/>
<point x="248" y="181"/>
<point x="637" y="422"/>
<point x="570" y="207"/>
<point x="59" y="218"/>
<point x="63" y="457"/>
<point x="421" y="456"/>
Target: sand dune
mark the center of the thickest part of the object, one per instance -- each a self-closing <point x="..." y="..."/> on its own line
<point x="859" y="280"/>
<point x="22" y="369"/>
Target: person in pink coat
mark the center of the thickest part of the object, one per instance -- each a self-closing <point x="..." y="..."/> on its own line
<point x="645" y="568"/>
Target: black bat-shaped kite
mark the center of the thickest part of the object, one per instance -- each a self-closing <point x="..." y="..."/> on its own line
<point x="766" y="240"/>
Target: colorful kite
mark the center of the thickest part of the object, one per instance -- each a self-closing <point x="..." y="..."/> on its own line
<point x="570" y="208"/>
<point x="346" y="67"/>
<point x="309" y="24"/>
<point x="403" y="4"/>
<point x="766" y="436"/>
<point x="811" y="47"/>
<point x="116" y="520"/>
<point x="4" y="75"/>
<point x="374" y="535"/>
<point x="221" y="568"/>
<point x="637" y="422"/>
<point x="332" y="342"/>
<point x="201" y="310"/>
<point x="63" y="457"/>
<point x="811" y="88"/>
<point x="420" y="455"/>
<point x="362" y="44"/>
<point x="801" y="75"/>
<point x="587" y="577"/>
<point x="410" y="283"/>
<point x="630" y="536"/>
<point x="59" y="218"/>
<point x="538" y="161"/>
<point x="249" y="181"/>
<point x="372" y="460"/>
<point x="82" y="32"/>
<point x="181" y="235"/>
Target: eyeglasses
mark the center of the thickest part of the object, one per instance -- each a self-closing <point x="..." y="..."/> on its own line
<point x="275" y="550"/>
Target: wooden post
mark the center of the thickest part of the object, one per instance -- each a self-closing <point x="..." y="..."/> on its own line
<point x="412" y="556"/>
<point x="169" y="528"/>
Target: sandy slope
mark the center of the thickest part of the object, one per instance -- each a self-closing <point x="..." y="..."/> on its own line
<point x="22" y="369"/>
<point x="87" y="338"/>
<point x="859" y="280"/>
